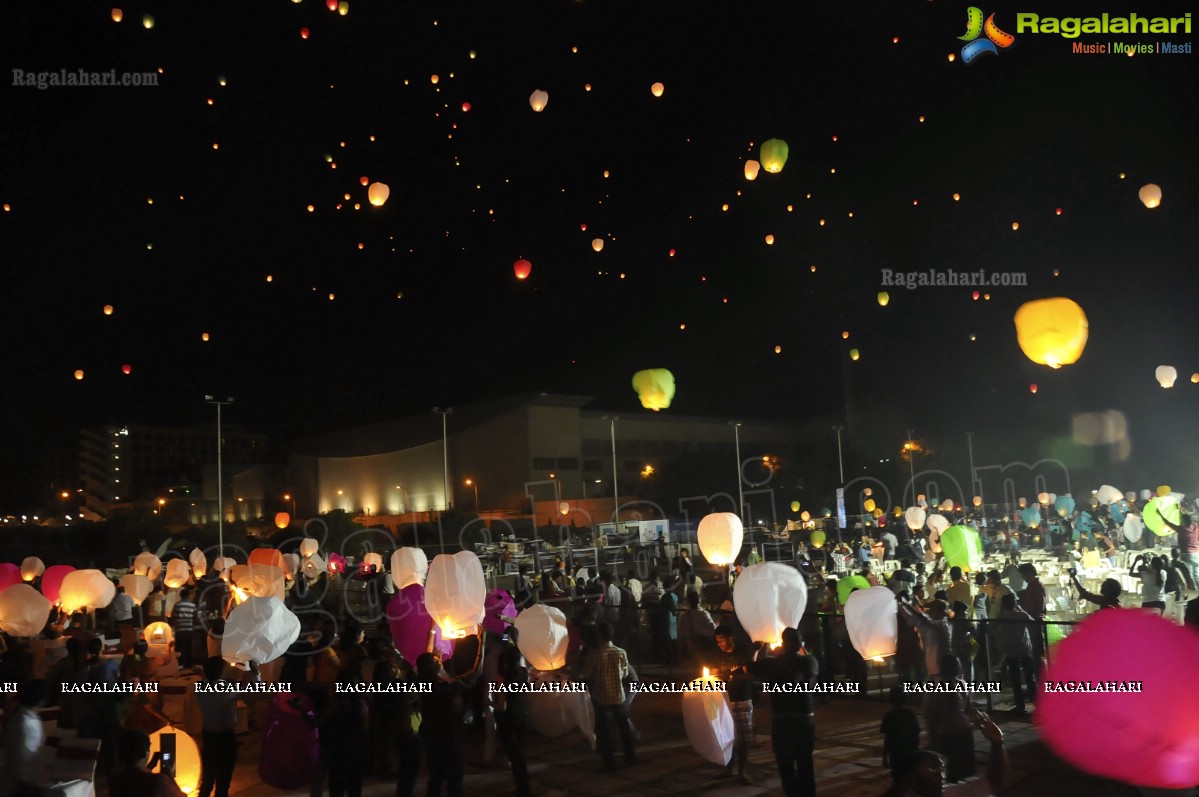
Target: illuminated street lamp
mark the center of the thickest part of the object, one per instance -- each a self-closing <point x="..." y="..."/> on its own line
<point x="292" y="498"/>
<point x="475" y="485"/>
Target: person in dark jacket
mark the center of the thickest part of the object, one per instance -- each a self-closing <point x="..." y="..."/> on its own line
<point x="793" y="721"/>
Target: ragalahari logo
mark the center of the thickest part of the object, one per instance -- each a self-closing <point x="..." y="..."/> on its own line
<point x="995" y="38"/>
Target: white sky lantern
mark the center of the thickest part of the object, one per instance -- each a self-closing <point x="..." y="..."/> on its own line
<point x="871" y="621"/>
<point x="137" y="587"/>
<point x="1166" y="375"/>
<point x="720" y="535"/>
<point x="597" y="244"/>
<point x="769" y="597"/>
<point x="375" y="559"/>
<point x="751" y="169"/>
<point x="262" y="581"/>
<point x="86" y="589"/>
<point x="23" y="611"/>
<point x="538" y="100"/>
<point x="1043" y="498"/>
<point x="657" y="89"/>
<point x="1108" y="495"/>
<point x="291" y="564"/>
<point x="456" y="593"/>
<point x="1134" y="527"/>
<point x="199" y="562"/>
<point x="223" y="564"/>
<point x="313" y="566"/>
<point x="708" y="720"/>
<point x="543" y="636"/>
<point x="178" y="572"/>
<point x="309" y="546"/>
<point x="159" y="637"/>
<point x="148" y="565"/>
<point x="378" y="193"/>
<point x="1151" y="195"/>
<point x="260" y="629"/>
<point x="914" y="516"/>
<point x="31" y="568"/>
<point x="409" y="566"/>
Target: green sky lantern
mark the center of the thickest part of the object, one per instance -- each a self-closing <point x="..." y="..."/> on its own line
<point x="774" y="155"/>
<point x="655" y="388"/>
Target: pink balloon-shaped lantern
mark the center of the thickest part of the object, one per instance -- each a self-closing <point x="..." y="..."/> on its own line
<point x="10" y="574"/>
<point x="1153" y="741"/>
<point x="290" y="751"/>
<point x="499" y="604"/>
<point x="52" y="581"/>
<point x="410" y="622"/>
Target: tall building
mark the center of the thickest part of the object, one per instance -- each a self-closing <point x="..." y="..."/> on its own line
<point x="129" y="464"/>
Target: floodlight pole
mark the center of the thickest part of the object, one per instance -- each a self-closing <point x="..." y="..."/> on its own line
<point x="220" y="494"/>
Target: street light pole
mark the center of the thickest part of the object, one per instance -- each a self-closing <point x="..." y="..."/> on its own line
<point x="220" y="495"/>
<point x="970" y="448"/>
<point x="612" y="419"/>
<point x="445" y="453"/>
<point x="840" y="461"/>
<point x="912" y="465"/>
<point x="740" y="490"/>
<point x="475" y="485"/>
<point x="292" y="498"/>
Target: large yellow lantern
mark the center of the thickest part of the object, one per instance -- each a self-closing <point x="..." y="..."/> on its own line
<point x="773" y="155"/>
<point x="1051" y="332"/>
<point x="655" y="388"/>
<point x="720" y="535"/>
<point x="869" y="505"/>
<point x="456" y="593"/>
<point x="378" y="193"/>
<point x="187" y="758"/>
<point x="85" y="589"/>
<point x="538" y="100"/>
<point x="1151" y="195"/>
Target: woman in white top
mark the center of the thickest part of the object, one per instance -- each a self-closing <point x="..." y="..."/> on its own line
<point x="1152" y="573"/>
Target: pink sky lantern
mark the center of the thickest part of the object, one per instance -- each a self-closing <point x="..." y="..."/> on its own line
<point x="52" y="581"/>
<point x="499" y="604"/>
<point x="337" y="563"/>
<point x="23" y="611"/>
<point x="1153" y="741"/>
<point x="410" y="623"/>
<point x="10" y="574"/>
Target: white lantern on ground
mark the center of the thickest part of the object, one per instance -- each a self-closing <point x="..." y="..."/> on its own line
<point x="409" y="566"/>
<point x="148" y="565"/>
<point x="456" y="593"/>
<point x="159" y="637"/>
<point x="870" y="618"/>
<point x="914" y="516"/>
<point x="86" y="589"/>
<point x="178" y="572"/>
<point x="137" y="587"/>
<point x="260" y="629"/>
<point x="769" y="597"/>
<point x="31" y="568"/>
<point x="23" y="611"/>
<point x="720" y="535"/>
<point x="708" y="720"/>
<point x="543" y="636"/>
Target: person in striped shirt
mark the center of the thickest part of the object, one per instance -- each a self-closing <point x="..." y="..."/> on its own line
<point x="183" y="620"/>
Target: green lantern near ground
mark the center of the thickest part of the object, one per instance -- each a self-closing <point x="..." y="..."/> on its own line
<point x="773" y="155"/>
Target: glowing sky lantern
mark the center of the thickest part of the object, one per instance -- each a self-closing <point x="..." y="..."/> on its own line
<point x="52" y="580"/>
<point x="126" y="369"/>
<point x="309" y="546"/>
<point x="23" y="611"/>
<point x="769" y="597"/>
<point x="855" y="355"/>
<point x="378" y="193"/>
<point x="79" y="373"/>
<point x="538" y="100"/>
<point x="198" y="561"/>
<point x="1051" y="332"/>
<point x="870" y="618"/>
<point x="770" y="240"/>
<point x="1151" y="195"/>
<point x="204" y="336"/>
<point x="261" y="629"/>
<point x="343" y="7"/>
<point x="597" y="244"/>
<point x="884" y="298"/>
<point x="31" y="568"/>
<point x="117" y="15"/>
<point x="805" y="516"/>
<point x="869" y="505"/>
<point x="795" y="506"/>
<point x="85" y="589"/>
<point x="147" y="21"/>
<point x="137" y="587"/>
<point x="962" y="547"/>
<point x="409" y="566"/>
<point x="914" y="516"/>
<point x="543" y="638"/>
<point x="1166" y="375"/>
<point x="522" y="268"/>
<point x="720" y="535"/>
<point x="655" y="388"/>
<point x="708" y="719"/>
<point x="1157" y="741"/>
<point x="773" y="155"/>
<point x="178" y="573"/>
<point x="657" y="89"/>
<point x="456" y="593"/>
<point x="148" y="565"/>
<point x="108" y="309"/>
<point x="10" y="575"/>
<point x="282" y="520"/>
<point x="751" y="169"/>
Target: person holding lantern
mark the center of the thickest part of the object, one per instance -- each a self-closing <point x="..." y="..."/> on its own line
<point x="793" y="719"/>
<point x="605" y="670"/>
<point x="734" y="665"/>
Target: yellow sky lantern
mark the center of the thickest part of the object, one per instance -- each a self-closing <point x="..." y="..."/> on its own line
<point x="147" y="22"/>
<point x="1052" y="331"/>
<point x="773" y="155"/>
<point x="751" y="169"/>
<point x="884" y="298"/>
<point x="117" y="15"/>
<point x="204" y="336"/>
<point x="79" y="374"/>
<point x="770" y="240"/>
<point x="597" y="244"/>
<point x="657" y="89"/>
<point x="855" y="355"/>
<point x="538" y="100"/>
<point x="1151" y="195"/>
<point x="655" y="387"/>
<point x="108" y="309"/>
<point x="378" y="193"/>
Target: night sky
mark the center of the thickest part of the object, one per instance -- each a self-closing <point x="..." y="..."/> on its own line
<point x="427" y="310"/>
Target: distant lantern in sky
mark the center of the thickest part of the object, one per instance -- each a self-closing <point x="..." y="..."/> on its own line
<point x="79" y="374"/>
<point x="1166" y="375"/>
<point x="522" y="268"/>
<point x="884" y="298"/>
<point x="126" y="369"/>
<point x="770" y="240"/>
<point x="855" y="355"/>
<point x="1052" y="331"/>
<point x="778" y="349"/>
<point x="1032" y="388"/>
<point x="343" y="7"/>
<point x="465" y="107"/>
<point x="751" y="169"/>
<point x="204" y="336"/>
<point x="117" y="15"/>
<point x="657" y="89"/>
<point x="1151" y="195"/>
<point x="434" y="79"/>
<point x="845" y="335"/>
<point x="1195" y="378"/>
<point x="773" y="155"/>
<point x="147" y="21"/>
<point x="597" y="244"/>
<point x="331" y="5"/>
<point x="108" y="309"/>
<point x="538" y="100"/>
<point x="378" y="193"/>
<point x="975" y="296"/>
<point x="303" y="33"/>
<point x="655" y="388"/>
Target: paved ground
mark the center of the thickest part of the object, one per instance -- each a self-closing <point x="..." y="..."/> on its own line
<point x="847" y="760"/>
